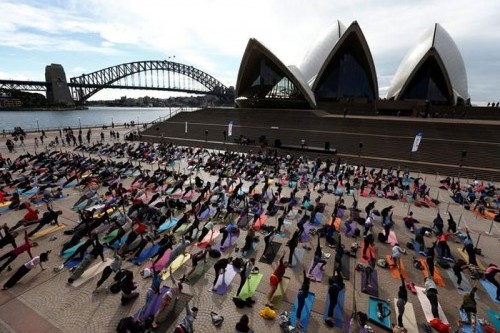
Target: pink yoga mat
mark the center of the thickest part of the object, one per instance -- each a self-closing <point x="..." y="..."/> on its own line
<point x="160" y="264"/>
<point x="392" y="238"/>
<point x="206" y="240"/>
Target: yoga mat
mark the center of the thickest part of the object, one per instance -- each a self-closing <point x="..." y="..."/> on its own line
<point x="210" y="237"/>
<point x="153" y="306"/>
<point x="169" y="223"/>
<point x="66" y="254"/>
<point x="318" y="217"/>
<point x="110" y="237"/>
<point x="178" y="262"/>
<point x="466" y="258"/>
<point x="272" y="251"/>
<point x="250" y="285"/>
<point x="73" y="263"/>
<point x="280" y="292"/>
<point x="426" y="306"/>
<point x="337" y="223"/>
<point x="370" y="249"/>
<point x="346" y="266"/>
<point x="394" y="270"/>
<point x="347" y="325"/>
<point x="297" y="258"/>
<point x="183" y="228"/>
<point x="437" y="277"/>
<point x="409" y="320"/>
<point x="392" y="238"/>
<point x="224" y="280"/>
<point x="338" y="310"/>
<point x="306" y="235"/>
<point x="91" y="272"/>
<point x="251" y="249"/>
<point x="48" y="231"/>
<point x="494" y="318"/>
<point x="305" y="315"/>
<point x="160" y="264"/>
<point x="372" y="288"/>
<point x="230" y="240"/>
<point x="317" y="273"/>
<point x="200" y="270"/>
<point x="416" y="247"/>
<point x="466" y="326"/>
<point x="490" y="289"/>
<point x="260" y="222"/>
<point x="145" y="254"/>
<point x="466" y="286"/>
<point x="373" y="309"/>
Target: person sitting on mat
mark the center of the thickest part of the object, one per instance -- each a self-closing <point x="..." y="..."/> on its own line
<point x="276" y="278"/>
<point x="301" y="298"/>
<point x="336" y="286"/>
<point x="469" y="306"/>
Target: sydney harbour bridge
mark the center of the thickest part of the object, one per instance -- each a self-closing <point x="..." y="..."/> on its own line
<point x="141" y="75"/>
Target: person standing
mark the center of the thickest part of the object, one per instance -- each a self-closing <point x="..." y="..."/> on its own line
<point x="276" y="278"/>
<point x="25" y="269"/>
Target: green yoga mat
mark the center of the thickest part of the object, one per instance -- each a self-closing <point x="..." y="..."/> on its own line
<point x="250" y="285"/>
<point x="200" y="270"/>
<point x="279" y="294"/>
<point x="182" y="229"/>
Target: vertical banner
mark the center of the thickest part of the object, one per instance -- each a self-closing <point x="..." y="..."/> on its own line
<point x="186" y="128"/>
<point x="230" y="128"/>
<point x="416" y="142"/>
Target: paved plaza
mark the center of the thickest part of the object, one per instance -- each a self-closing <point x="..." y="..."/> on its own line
<point x="43" y="301"/>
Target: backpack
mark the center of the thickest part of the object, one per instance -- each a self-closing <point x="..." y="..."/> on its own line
<point x="382" y="263"/>
<point x="213" y="253"/>
<point x="439" y="326"/>
<point x="217" y="319"/>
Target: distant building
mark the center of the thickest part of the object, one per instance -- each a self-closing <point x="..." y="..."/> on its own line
<point x="339" y="67"/>
<point x="7" y="102"/>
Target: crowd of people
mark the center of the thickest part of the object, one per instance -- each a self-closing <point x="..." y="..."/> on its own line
<point x="175" y="205"/>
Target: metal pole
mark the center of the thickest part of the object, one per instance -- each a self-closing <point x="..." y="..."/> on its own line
<point x="491" y="227"/>
<point x="459" y="221"/>
<point x="37" y="126"/>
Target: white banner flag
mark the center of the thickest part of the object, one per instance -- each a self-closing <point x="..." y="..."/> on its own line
<point x="186" y="128"/>
<point x="230" y="129"/>
<point x="416" y="142"/>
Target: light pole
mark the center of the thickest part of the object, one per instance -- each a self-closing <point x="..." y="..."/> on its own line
<point x="37" y="126"/>
<point x="79" y="123"/>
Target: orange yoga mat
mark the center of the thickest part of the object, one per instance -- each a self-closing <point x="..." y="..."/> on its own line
<point x="371" y="249"/>
<point x="437" y="277"/>
<point x="260" y="222"/>
<point x="394" y="270"/>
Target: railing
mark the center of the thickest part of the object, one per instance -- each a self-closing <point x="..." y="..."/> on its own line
<point x="171" y="113"/>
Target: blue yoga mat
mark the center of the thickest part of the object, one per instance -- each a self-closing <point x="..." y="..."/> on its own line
<point x="338" y="311"/>
<point x="66" y="254"/>
<point x="73" y="263"/>
<point x="372" y="312"/>
<point x="490" y="289"/>
<point x="146" y="254"/>
<point x="305" y="315"/>
<point x="169" y="223"/>
<point x="494" y="318"/>
<point x="466" y="328"/>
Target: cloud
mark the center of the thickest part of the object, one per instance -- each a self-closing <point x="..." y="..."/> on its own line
<point x="212" y="35"/>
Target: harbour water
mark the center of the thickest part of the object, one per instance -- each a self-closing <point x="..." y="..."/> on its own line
<point x="93" y="116"/>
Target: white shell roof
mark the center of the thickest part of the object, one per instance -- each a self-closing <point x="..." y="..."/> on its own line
<point x="317" y="54"/>
<point x="439" y="39"/>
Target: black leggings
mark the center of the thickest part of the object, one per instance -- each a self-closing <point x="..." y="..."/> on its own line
<point x="433" y="299"/>
<point x="301" y="298"/>
<point x="10" y="256"/>
<point x="22" y="271"/>
<point x="105" y="275"/>
<point x="333" y="301"/>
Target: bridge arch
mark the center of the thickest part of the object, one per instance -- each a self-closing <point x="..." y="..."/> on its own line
<point x="86" y="85"/>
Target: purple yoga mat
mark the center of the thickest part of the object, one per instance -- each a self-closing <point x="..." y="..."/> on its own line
<point x="373" y="288"/>
<point x="230" y="240"/>
<point x="153" y="306"/>
<point x="306" y="235"/>
<point x="317" y="272"/>
<point x="225" y="279"/>
<point x="347" y="325"/>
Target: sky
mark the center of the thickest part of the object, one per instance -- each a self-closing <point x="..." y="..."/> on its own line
<point x="211" y="35"/>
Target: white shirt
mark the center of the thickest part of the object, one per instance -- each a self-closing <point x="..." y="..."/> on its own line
<point x="33" y="262"/>
<point x="396" y="252"/>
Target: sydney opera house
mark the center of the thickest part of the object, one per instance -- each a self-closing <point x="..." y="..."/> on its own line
<point x="339" y="67"/>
